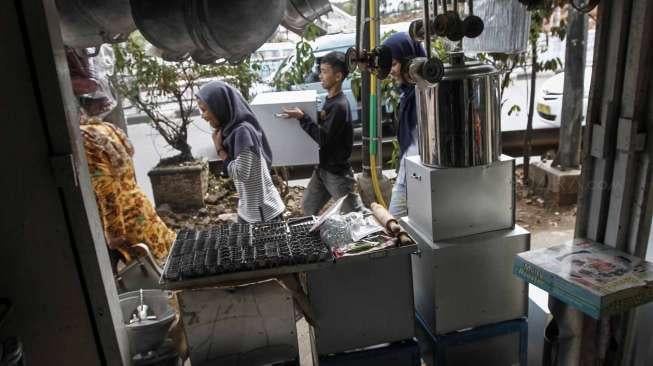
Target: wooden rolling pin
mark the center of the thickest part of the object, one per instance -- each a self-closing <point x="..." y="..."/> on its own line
<point x="391" y="224"/>
<point x="387" y="220"/>
<point x="404" y="239"/>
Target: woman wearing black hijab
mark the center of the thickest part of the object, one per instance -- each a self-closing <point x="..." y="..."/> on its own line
<point x="244" y="149"/>
<point x="403" y="50"/>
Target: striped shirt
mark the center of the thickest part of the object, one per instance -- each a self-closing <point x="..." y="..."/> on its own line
<point x="259" y="198"/>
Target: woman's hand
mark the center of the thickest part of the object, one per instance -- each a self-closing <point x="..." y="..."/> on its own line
<point x="217" y="141"/>
<point x="214" y="125"/>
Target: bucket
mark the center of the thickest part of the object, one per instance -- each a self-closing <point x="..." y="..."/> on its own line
<point x="147" y="335"/>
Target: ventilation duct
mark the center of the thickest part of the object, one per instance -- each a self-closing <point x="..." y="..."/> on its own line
<point x="207" y="30"/>
<point x="300" y="13"/>
<point x="89" y="23"/>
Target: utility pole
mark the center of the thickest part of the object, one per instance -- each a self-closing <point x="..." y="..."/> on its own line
<point x="568" y="156"/>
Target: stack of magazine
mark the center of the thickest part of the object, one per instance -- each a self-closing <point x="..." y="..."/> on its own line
<point x="594" y="278"/>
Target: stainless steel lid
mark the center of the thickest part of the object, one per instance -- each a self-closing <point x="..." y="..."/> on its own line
<point x="459" y="71"/>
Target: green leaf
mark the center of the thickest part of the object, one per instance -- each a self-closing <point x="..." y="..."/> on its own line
<point x="394" y="158"/>
<point x="514" y="108"/>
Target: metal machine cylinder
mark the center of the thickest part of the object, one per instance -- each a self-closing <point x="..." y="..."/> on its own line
<point x="89" y="23"/>
<point x="459" y="117"/>
<point x="299" y="13"/>
<point x="210" y="30"/>
<point x="207" y="30"/>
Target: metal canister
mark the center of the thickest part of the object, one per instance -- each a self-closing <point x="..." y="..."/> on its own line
<point x="459" y="117"/>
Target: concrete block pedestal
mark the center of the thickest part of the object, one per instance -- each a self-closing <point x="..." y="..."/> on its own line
<point x="561" y="186"/>
<point x="182" y="187"/>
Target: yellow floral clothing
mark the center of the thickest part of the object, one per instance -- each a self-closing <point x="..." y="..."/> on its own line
<point x="125" y="210"/>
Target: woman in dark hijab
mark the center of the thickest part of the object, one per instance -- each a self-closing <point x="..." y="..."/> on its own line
<point x="244" y="149"/>
<point x="403" y="49"/>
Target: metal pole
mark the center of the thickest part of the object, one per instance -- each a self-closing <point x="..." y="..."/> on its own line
<point x="379" y="122"/>
<point x="365" y="91"/>
<point x="427" y="28"/>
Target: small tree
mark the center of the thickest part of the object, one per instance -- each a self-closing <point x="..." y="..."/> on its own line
<point x="571" y="116"/>
<point x="505" y="64"/>
<point x="348" y="6"/>
<point x="149" y="82"/>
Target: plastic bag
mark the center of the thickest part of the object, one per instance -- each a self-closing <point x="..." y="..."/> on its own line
<point x="361" y="226"/>
<point x="507" y="23"/>
<point x="89" y="73"/>
<point x="338" y="231"/>
<point x="334" y="232"/>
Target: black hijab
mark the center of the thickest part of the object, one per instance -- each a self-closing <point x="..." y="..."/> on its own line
<point x="403" y="49"/>
<point x="240" y="128"/>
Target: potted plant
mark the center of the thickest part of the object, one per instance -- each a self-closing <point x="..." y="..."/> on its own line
<point x="149" y="84"/>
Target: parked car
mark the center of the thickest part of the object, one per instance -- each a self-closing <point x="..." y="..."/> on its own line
<point x="321" y="46"/>
<point x="549" y="98"/>
<point x="548" y="101"/>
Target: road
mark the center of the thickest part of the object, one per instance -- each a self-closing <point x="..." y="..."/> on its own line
<point x="517" y="94"/>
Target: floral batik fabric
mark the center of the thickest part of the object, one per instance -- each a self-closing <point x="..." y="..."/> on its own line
<point x="124" y="209"/>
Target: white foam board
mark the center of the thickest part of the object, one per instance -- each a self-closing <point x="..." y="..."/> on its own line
<point x="289" y="143"/>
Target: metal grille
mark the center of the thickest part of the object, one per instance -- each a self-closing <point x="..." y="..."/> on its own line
<point x="244" y="247"/>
